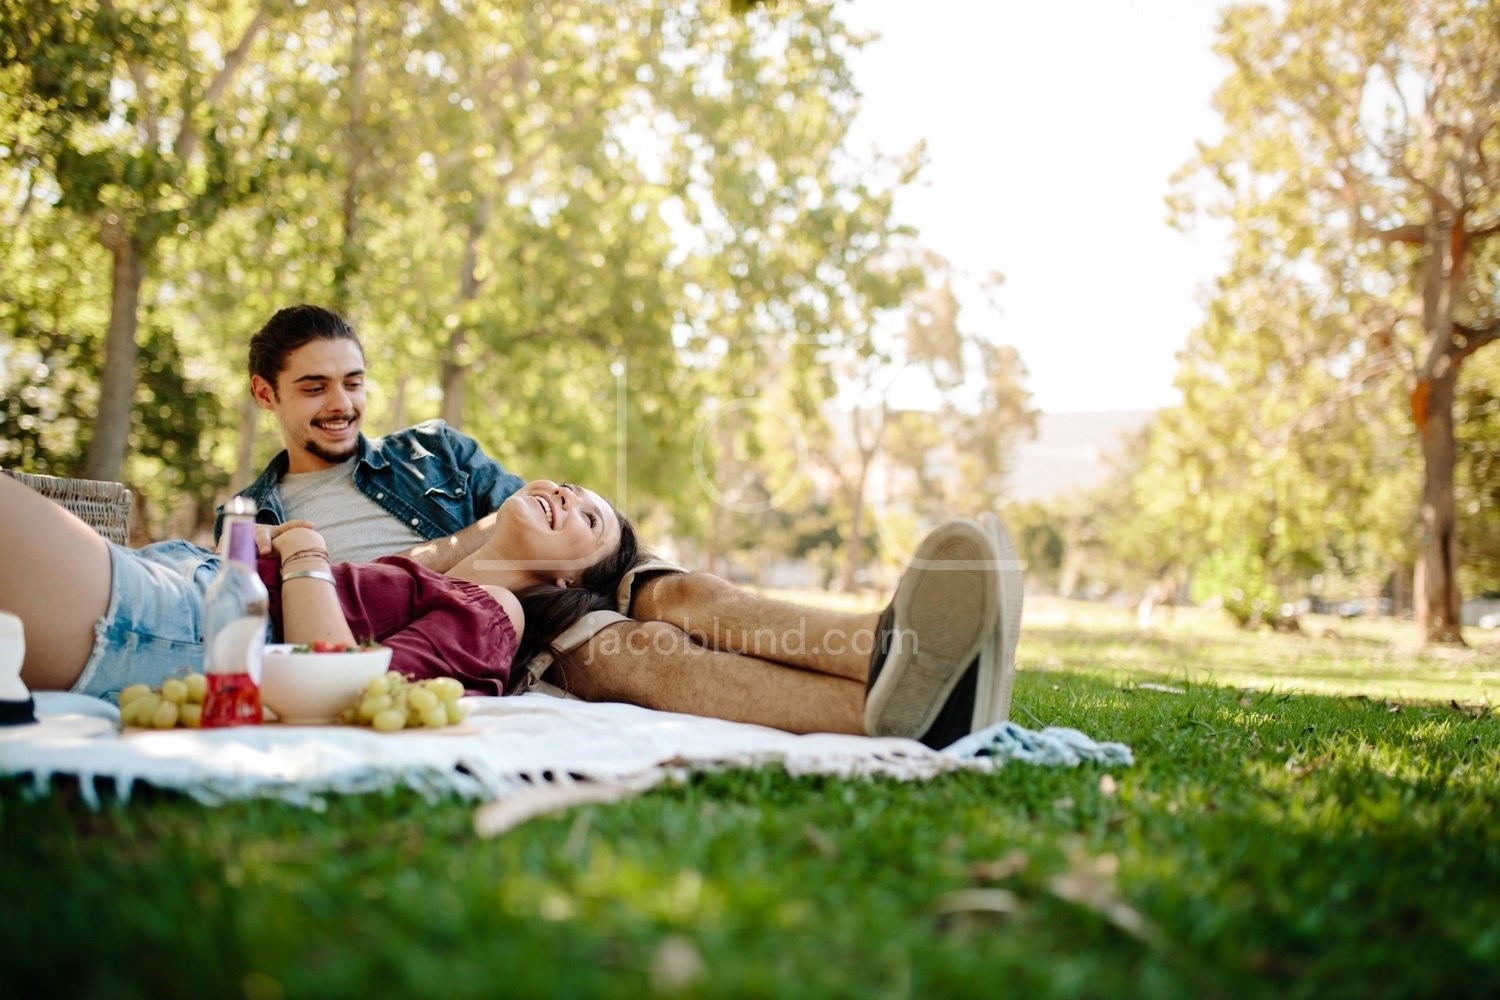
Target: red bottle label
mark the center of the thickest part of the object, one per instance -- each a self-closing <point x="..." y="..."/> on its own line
<point x="231" y="700"/>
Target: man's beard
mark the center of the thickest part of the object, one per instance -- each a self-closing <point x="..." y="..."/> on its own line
<point x="329" y="455"/>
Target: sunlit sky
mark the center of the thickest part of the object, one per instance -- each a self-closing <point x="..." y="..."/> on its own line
<point x="1052" y="131"/>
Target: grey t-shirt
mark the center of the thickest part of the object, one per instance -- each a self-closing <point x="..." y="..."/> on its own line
<point x="356" y="528"/>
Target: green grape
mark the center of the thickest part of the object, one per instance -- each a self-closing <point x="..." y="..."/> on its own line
<point x="145" y="708"/>
<point x="175" y="691"/>
<point x="190" y="715"/>
<point x="455" y="712"/>
<point x="133" y="692"/>
<point x="446" y="688"/>
<point x="197" y="686"/>
<point x="378" y="685"/>
<point x="395" y="677"/>
<point x="165" y="716"/>
<point x="422" y="699"/>
<point x="371" y="707"/>
<point x="128" y="712"/>
<point x="389" y="721"/>
<point x="435" y="717"/>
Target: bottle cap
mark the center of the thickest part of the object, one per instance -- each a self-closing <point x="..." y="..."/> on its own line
<point x="240" y="506"/>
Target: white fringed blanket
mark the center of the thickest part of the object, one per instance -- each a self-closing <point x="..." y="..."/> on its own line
<point x="507" y="746"/>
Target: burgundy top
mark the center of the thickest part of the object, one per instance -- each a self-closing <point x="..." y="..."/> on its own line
<point x="437" y="626"/>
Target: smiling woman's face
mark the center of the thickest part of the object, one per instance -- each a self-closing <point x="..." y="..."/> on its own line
<point x="556" y="531"/>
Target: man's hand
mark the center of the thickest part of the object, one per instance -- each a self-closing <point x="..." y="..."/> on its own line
<point x="292" y="537"/>
<point x="264" y="533"/>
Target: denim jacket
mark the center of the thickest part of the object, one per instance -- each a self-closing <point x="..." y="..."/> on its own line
<point x="429" y="476"/>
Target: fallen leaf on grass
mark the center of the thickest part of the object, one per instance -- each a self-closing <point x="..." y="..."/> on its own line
<point x="977" y="901"/>
<point x="1303" y="770"/>
<point x="1011" y="863"/>
<point x="495" y="818"/>
<point x="676" y="965"/>
<point x="821" y="842"/>
<point x="1090" y="883"/>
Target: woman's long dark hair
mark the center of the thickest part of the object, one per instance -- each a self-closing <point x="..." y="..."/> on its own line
<point x="551" y="609"/>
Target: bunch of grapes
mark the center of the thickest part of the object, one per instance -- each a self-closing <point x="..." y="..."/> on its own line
<point x="392" y="702"/>
<point x="178" y="702"/>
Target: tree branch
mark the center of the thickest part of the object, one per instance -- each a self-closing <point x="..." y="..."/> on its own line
<point x="149" y="116"/>
<point x="1474" y="339"/>
<point x="187" y="133"/>
<point x="1400" y="169"/>
<point x="1482" y="233"/>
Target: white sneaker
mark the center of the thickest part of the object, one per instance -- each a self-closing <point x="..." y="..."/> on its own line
<point x="992" y="700"/>
<point x="921" y="683"/>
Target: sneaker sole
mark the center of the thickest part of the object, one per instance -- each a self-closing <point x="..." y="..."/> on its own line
<point x="997" y="658"/>
<point x="949" y="597"/>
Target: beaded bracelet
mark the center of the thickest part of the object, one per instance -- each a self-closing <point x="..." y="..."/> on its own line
<point x="304" y="552"/>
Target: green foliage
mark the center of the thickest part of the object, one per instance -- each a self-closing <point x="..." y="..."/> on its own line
<point x="1038" y="540"/>
<point x="573" y="231"/>
<point x="1291" y="464"/>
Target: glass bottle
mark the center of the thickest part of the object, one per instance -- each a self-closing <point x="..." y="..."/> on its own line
<point x="236" y="612"/>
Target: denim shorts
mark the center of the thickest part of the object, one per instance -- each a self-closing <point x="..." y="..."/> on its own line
<point x="153" y="627"/>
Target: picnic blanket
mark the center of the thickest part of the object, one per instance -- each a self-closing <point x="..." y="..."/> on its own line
<point x="507" y="747"/>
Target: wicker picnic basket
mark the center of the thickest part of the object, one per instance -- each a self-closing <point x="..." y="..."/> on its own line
<point x="105" y="507"/>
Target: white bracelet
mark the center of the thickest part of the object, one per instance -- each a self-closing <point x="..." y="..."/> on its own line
<point x="309" y="574"/>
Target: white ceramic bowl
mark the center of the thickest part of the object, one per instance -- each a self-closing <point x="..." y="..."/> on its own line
<point x="316" y="687"/>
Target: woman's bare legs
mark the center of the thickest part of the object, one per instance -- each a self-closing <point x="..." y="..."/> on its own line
<point x="54" y="574"/>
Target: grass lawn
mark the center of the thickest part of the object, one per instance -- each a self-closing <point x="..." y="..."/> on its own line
<point x="1308" y="816"/>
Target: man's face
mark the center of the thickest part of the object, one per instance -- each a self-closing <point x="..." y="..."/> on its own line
<point x="319" y="401"/>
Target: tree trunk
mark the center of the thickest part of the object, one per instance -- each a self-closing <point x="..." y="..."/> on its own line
<point x="354" y="147"/>
<point x="1436" y="578"/>
<point x="455" y="367"/>
<point x="244" y="454"/>
<point x="398" y="403"/>
<point x="1438" y="605"/>
<point x="106" y="454"/>
<point x="454" y="377"/>
<point x="854" y="555"/>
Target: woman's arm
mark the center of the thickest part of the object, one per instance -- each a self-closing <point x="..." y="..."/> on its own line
<point x="442" y="554"/>
<point x="310" y="609"/>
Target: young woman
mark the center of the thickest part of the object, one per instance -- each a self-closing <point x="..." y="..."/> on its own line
<point x="99" y="616"/>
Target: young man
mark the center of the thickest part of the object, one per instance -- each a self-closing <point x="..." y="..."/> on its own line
<point x="935" y="665"/>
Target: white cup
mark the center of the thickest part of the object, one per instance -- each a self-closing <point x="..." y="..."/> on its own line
<point x="12" y="654"/>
